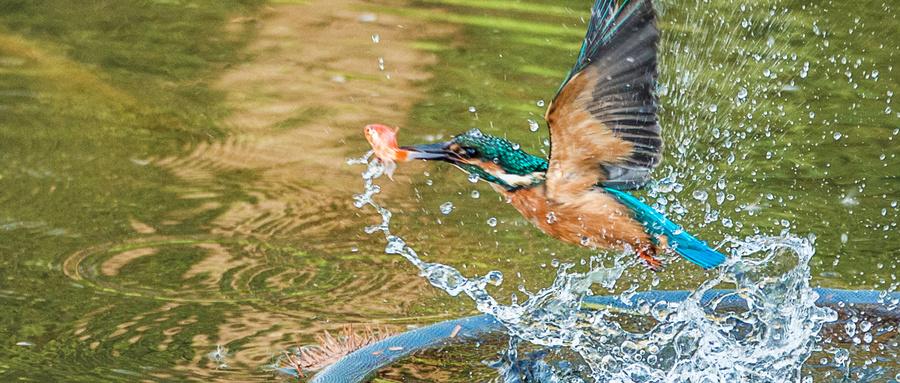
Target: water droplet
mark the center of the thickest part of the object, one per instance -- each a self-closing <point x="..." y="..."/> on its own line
<point x="742" y="94"/>
<point x="395" y="245"/>
<point x="712" y="216"/>
<point x="540" y="103"/>
<point x="473" y="178"/>
<point x="850" y="329"/>
<point x="713" y="108"/>
<point x="700" y="195"/>
<point x="849" y="200"/>
<point x="472" y="109"/>
<point x="446" y="207"/>
<point x="844" y="238"/>
<point x="533" y="125"/>
<point x="551" y="217"/>
<point x="475" y="194"/>
<point x="494" y="278"/>
<point x="865" y="326"/>
<point x="381" y="63"/>
<point x="837" y="136"/>
<point x="376" y="38"/>
<point x="492" y="222"/>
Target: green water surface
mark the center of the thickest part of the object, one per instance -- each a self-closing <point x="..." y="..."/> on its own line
<point x="117" y="264"/>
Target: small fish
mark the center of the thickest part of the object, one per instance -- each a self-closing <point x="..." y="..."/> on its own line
<point x="384" y="141"/>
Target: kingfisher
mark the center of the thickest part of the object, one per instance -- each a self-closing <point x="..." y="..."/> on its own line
<point x="605" y="142"/>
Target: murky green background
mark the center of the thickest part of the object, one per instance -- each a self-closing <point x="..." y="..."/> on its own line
<point x="173" y="177"/>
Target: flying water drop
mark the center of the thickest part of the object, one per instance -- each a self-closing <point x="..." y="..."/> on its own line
<point x="700" y="195"/>
<point x="446" y="208"/>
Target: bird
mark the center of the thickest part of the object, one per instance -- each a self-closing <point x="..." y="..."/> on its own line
<point x="604" y="142"/>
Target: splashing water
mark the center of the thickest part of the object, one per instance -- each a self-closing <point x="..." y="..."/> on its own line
<point x="691" y="342"/>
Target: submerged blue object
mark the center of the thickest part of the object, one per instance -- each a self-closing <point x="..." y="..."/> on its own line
<point x="361" y="364"/>
<point x="656" y="223"/>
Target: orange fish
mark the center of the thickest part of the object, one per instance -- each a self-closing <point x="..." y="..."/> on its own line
<point x="384" y="142"/>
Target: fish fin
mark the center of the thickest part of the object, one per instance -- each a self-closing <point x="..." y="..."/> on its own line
<point x="679" y="240"/>
<point x="389" y="167"/>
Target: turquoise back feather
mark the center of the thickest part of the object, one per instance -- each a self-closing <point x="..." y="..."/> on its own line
<point x="683" y="243"/>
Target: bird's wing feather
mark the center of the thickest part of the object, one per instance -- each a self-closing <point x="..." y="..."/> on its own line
<point x="603" y="121"/>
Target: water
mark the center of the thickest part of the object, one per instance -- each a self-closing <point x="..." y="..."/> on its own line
<point x="175" y="205"/>
<point x="691" y="342"/>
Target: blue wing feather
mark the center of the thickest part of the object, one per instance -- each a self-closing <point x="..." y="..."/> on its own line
<point x="683" y="243"/>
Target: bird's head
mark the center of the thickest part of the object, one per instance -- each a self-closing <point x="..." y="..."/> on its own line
<point x="492" y="159"/>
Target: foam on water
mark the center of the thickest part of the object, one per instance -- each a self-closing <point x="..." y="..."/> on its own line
<point x="690" y="342"/>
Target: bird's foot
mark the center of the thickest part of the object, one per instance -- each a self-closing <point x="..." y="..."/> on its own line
<point x="647" y="253"/>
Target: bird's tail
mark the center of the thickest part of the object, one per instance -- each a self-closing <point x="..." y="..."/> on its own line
<point x="684" y="244"/>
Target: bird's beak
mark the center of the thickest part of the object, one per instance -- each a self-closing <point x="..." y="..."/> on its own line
<point x="432" y="152"/>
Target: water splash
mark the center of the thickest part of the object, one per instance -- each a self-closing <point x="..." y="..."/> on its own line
<point x="690" y="341"/>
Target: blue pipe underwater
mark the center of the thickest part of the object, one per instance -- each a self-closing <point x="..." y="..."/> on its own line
<point x="365" y="362"/>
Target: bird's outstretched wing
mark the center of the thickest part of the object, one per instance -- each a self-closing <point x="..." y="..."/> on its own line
<point x="603" y="122"/>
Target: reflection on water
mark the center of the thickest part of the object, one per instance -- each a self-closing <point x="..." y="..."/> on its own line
<point x="174" y="202"/>
<point x="218" y="254"/>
